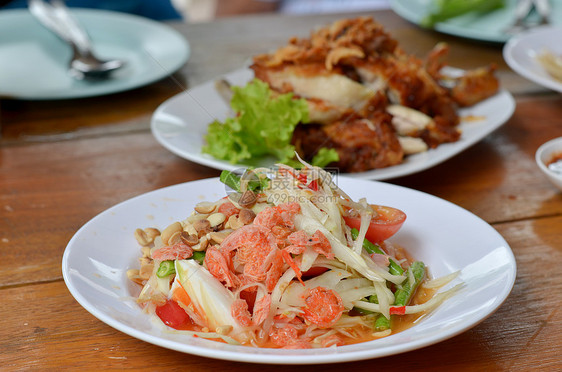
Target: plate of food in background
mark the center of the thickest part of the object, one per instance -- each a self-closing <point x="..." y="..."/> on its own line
<point x="491" y="21"/>
<point x="348" y="98"/>
<point x="537" y="55"/>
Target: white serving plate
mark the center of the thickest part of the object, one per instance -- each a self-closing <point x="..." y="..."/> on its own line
<point x="180" y="125"/>
<point x="444" y="236"/>
<point x="521" y="52"/>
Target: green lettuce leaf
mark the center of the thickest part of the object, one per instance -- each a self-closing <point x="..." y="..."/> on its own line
<point x="263" y="125"/>
<point x="325" y="156"/>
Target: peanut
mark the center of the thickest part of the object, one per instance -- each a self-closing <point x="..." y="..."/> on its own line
<point x="175" y="238"/>
<point x="247" y="199"/>
<point x="189" y="239"/>
<point x="246" y="216"/>
<point x="134" y="276"/>
<point x="233" y="223"/>
<point x="146" y="236"/>
<point x="219" y="236"/>
<point x="202" y="245"/>
<point x="145" y="251"/>
<point x="142" y="237"/>
<point x="205" y="207"/>
<point x="216" y="219"/>
<point x="201" y="225"/>
<point x="147" y="266"/>
<point x="169" y="231"/>
<point x="188" y="228"/>
<point x="152" y="232"/>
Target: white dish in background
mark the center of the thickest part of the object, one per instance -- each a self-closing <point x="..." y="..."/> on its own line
<point x="34" y="62"/>
<point x="180" y="124"/>
<point x="444" y="236"/>
<point x="545" y="154"/>
<point x="521" y="52"/>
<point x="488" y="27"/>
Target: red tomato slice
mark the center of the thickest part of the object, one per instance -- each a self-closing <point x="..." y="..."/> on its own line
<point x="173" y="315"/>
<point x="386" y="223"/>
<point x="314" y="271"/>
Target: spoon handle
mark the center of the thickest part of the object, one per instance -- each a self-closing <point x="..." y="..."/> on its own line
<point x="76" y="31"/>
<point x="43" y="13"/>
<point x="56" y="17"/>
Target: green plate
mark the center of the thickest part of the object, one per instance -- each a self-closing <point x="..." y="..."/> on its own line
<point x="489" y="27"/>
<point x="34" y="62"/>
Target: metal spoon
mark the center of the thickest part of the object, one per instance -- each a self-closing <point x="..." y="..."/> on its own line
<point x="544" y="9"/>
<point x="84" y="64"/>
<point x="522" y="10"/>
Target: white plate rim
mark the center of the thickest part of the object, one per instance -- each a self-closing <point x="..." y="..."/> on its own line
<point x="164" y="118"/>
<point x="526" y="44"/>
<point x="270" y="356"/>
<point x="181" y="54"/>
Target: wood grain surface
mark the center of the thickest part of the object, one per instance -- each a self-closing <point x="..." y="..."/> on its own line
<point x="63" y="162"/>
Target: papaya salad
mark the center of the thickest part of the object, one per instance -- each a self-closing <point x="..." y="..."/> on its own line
<point x="286" y="260"/>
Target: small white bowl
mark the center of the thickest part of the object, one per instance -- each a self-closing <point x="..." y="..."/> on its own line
<point x="545" y="154"/>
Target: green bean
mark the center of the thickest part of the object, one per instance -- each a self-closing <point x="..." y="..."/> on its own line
<point x="394" y="268"/>
<point x="372" y="299"/>
<point x="199" y="256"/>
<point x="165" y="269"/>
<point x="403" y="295"/>
<point x="382" y="323"/>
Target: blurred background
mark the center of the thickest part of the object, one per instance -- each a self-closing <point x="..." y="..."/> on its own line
<point x="206" y="10"/>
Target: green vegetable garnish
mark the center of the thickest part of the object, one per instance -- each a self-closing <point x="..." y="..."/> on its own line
<point x="198" y="256"/>
<point x="325" y="156"/>
<point x="382" y="323"/>
<point x="263" y="125"/>
<point x="230" y="179"/>
<point x="165" y="269"/>
<point x="446" y="9"/>
<point x="233" y="180"/>
<point x="372" y="299"/>
<point x="403" y="295"/>
<point x="394" y="268"/>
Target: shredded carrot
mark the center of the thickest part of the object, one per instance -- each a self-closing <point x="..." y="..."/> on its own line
<point x="180" y="295"/>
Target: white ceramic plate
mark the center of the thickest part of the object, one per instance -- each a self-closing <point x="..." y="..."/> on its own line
<point x="180" y="124"/>
<point x="34" y="62"/>
<point x="521" y="53"/>
<point x="489" y="27"/>
<point x="447" y="238"/>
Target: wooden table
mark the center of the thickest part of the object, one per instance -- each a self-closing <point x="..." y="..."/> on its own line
<point x="63" y="162"/>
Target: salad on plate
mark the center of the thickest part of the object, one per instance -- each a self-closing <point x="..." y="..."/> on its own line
<point x="286" y="260"/>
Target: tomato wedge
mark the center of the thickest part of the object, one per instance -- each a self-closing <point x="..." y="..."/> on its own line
<point x="314" y="271"/>
<point x="386" y="222"/>
<point x="173" y="315"/>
